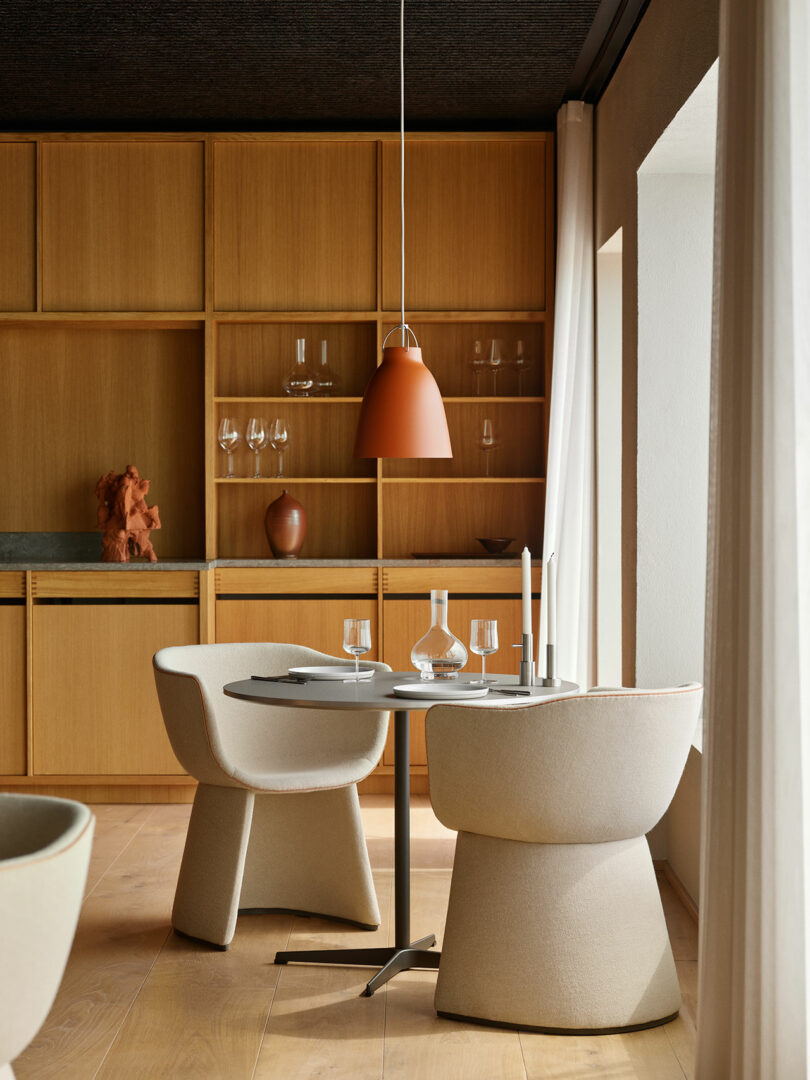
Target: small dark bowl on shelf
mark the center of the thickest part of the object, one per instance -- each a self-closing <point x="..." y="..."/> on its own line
<point x="495" y="544"/>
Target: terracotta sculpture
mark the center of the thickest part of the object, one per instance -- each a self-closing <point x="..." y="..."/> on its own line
<point x="125" y="517"/>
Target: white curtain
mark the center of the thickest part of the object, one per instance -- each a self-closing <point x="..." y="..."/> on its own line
<point x="753" y="987"/>
<point x="570" y="468"/>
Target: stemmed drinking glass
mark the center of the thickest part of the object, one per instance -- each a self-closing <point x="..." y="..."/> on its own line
<point x="356" y="640"/>
<point x="229" y="437"/>
<point x="483" y="642"/>
<point x="486" y="443"/>
<point x="495" y="362"/>
<point x="278" y="440"/>
<point x="477" y="362"/>
<point x="521" y="363"/>
<point x="257" y="437"/>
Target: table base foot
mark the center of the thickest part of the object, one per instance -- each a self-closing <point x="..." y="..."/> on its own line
<point x="416" y="956"/>
<point x="389" y="959"/>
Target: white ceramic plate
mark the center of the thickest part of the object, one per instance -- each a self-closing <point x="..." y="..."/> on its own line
<point x="340" y="672"/>
<point x="437" y="690"/>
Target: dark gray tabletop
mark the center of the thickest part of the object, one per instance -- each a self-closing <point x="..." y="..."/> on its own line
<point x="377" y="693"/>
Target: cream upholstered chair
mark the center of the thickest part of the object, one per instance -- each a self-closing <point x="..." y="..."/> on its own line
<point x="44" y="854"/>
<point x="276" y="819"/>
<point x="555" y="921"/>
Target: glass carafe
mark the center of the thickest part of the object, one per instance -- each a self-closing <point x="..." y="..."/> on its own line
<point x="439" y="654"/>
<point x="300" y="382"/>
<point x="327" y="383"/>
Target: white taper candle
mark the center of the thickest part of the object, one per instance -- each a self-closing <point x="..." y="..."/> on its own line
<point x="526" y="569"/>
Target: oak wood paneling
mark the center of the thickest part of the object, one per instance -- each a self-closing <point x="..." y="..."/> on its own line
<point x="18" y="226"/>
<point x="254" y="358"/>
<point x="297" y="579"/>
<point x="295" y="226"/>
<point x="115" y="583"/>
<point x="448" y="518"/>
<point x="461" y="579"/>
<point x="13" y="725"/>
<point x="95" y="705"/>
<point x="12" y="584"/>
<point x="81" y="402"/>
<point x="315" y="623"/>
<point x="122" y="226"/>
<point x="341" y="519"/>
<point x="475" y="225"/>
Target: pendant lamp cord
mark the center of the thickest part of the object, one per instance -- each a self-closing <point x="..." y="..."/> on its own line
<point x="402" y="167"/>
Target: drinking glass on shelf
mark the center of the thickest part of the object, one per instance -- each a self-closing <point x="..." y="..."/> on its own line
<point x="356" y="640"/>
<point x="487" y="443"/>
<point x="483" y="642"/>
<point x="229" y="437"/>
<point x="278" y="440"/>
<point x="478" y="363"/>
<point x="521" y="363"/>
<point x="257" y="437"/>
<point x="495" y="362"/>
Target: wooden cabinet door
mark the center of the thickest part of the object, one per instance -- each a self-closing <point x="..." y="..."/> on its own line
<point x="12" y="689"/>
<point x="122" y="226"/>
<point x="313" y="622"/>
<point x="404" y="623"/>
<point x="18" y="181"/>
<point x="96" y="710"/>
<point x="476" y="218"/>
<point x="295" y="226"/>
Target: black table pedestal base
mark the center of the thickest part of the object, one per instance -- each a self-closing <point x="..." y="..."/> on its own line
<point x="405" y="954"/>
<point x="389" y="959"/>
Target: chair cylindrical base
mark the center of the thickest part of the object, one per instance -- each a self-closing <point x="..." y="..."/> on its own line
<point x="557" y="937"/>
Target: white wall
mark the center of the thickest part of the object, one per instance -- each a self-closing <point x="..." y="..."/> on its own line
<point x="675" y="235"/>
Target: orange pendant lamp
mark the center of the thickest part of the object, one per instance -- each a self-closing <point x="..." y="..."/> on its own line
<point x="402" y="415"/>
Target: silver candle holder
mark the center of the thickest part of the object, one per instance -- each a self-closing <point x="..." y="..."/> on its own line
<point x="527" y="668"/>
<point x="550" y="678"/>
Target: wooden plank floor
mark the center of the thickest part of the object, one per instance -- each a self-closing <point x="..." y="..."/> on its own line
<point x="138" y="1003"/>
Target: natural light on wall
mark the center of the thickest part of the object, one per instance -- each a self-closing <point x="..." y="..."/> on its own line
<point x="675" y="253"/>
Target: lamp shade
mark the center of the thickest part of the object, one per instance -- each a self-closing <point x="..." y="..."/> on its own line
<point x="402" y="415"/>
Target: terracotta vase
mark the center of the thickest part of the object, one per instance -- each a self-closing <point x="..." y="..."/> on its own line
<point x="286" y="525"/>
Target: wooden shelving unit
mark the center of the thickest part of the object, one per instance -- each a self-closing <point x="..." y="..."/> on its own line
<point x="152" y="283"/>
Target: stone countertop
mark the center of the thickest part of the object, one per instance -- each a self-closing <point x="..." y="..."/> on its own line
<point x="195" y="564"/>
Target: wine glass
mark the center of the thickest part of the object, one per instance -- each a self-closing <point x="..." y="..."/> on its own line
<point x="356" y="640"/>
<point x="257" y="436"/>
<point x="477" y="362"/>
<point x="279" y="438"/>
<point x="487" y="443"/>
<point x="494" y="362"/>
<point x="483" y="641"/>
<point x="521" y="363"/>
<point x="229" y="437"/>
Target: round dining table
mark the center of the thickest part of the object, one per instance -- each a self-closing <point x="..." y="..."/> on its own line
<point x="377" y="694"/>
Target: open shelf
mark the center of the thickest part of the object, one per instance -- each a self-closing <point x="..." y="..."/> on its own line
<point x="295" y="480"/>
<point x="447" y="349"/>
<point x="341" y="518"/>
<point x="320" y="439"/>
<point x="253" y="358"/>
<point x="419" y="517"/>
<point x="518" y="433"/>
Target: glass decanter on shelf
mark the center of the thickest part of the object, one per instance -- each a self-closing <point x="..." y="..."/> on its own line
<point x="439" y="654"/>
<point x="300" y="381"/>
<point x="327" y="383"/>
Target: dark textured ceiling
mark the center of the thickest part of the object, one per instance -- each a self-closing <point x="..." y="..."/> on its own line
<point x="286" y="65"/>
